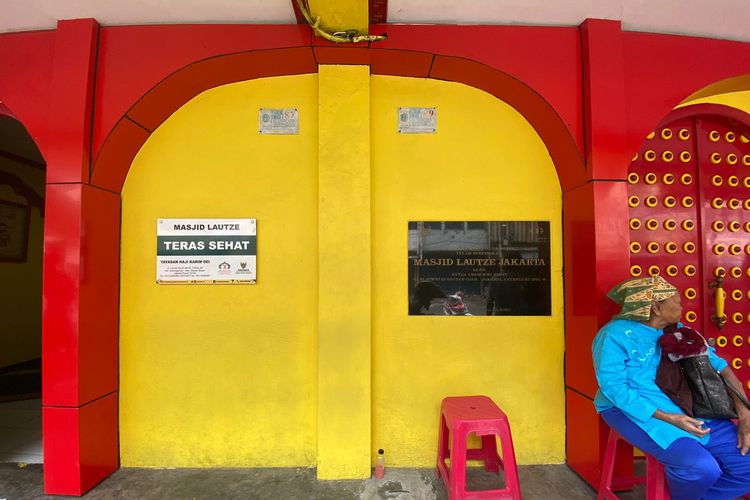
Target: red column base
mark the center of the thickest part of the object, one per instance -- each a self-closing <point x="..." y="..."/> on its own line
<point x="80" y="446"/>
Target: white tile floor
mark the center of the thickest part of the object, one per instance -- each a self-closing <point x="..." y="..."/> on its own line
<point x="21" y="431"/>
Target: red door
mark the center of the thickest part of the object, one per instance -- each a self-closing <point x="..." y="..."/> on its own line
<point x="689" y="198"/>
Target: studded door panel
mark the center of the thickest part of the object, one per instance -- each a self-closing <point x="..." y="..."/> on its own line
<point x="664" y="227"/>
<point x="689" y="198"/>
<point x="724" y="158"/>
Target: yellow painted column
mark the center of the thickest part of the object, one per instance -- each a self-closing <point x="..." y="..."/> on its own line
<point x="338" y="15"/>
<point x="344" y="272"/>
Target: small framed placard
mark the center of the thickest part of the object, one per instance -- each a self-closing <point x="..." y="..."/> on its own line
<point x="206" y="251"/>
<point x="417" y="120"/>
<point x="14" y="231"/>
<point x="284" y="121"/>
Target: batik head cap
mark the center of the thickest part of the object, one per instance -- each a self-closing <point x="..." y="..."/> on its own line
<point x="636" y="295"/>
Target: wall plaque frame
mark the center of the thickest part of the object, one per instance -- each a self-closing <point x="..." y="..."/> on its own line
<point x="479" y="268"/>
<point x="14" y="231"/>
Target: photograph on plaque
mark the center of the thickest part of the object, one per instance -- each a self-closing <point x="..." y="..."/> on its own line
<point x="496" y="268"/>
<point x="14" y="231"/>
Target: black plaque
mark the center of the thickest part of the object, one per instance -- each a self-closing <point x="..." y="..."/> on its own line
<point x="497" y="268"/>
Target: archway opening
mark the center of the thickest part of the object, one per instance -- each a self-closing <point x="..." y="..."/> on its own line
<point x="22" y="185"/>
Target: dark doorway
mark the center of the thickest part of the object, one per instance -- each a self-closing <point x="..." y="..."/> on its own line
<point x="22" y="185"/>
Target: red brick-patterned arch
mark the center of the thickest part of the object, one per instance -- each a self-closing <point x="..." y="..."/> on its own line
<point x="81" y="437"/>
<point x="135" y="126"/>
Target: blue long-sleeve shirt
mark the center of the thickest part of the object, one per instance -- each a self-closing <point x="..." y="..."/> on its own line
<point x="626" y="358"/>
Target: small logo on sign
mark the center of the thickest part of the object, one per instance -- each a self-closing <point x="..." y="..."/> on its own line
<point x="243" y="265"/>
<point x="224" y="266"/>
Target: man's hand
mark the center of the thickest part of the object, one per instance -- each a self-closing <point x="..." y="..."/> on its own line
<point x="743" y="421"/>
<point x="692" y="425"/>
<point x="743" y="434"/>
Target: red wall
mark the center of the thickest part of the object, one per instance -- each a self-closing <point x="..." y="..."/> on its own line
<point x="90" y="96"/>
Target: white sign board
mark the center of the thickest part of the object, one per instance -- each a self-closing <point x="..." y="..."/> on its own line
<point x="417" y="120"/>
<point x="205" y="251"/>
<point x="278" y="121"/>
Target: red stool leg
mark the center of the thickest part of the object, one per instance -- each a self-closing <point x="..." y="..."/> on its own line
<point x="656" y="484"/>
<point x="512" y="485"/>
<point x="489" y="454"/>
<point x="443" y="450"/>
<point x="608" y="469"/>
<point x="457" y="475"/>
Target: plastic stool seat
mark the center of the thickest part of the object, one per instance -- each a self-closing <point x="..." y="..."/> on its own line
<point x="460" y="416"/>
<point x="656" y="484"/>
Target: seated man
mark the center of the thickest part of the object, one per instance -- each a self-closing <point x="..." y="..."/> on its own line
<point x="702" y="460"/>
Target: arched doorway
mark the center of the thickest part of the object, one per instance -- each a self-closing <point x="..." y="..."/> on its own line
<point x="22" y="184"/>
<point x="198" y="362"/>
<point x="100" y="202"/>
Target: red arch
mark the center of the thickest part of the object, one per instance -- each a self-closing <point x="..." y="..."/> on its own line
<point x="133" y="129"/>
<point x="86" y="386"/>
<point x="734" y="116"/>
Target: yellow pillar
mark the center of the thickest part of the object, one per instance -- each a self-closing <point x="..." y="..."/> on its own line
<point x="344" y="272"/>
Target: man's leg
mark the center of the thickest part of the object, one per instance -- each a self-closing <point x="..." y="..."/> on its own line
<point x="689" y="467"/>
<point x="735" y="476"/>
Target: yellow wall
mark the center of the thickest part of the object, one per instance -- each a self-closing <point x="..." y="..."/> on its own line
<point x="485" y="163"/>
<point x="227" y="376"/>
<point x="338" y="15"/>
<point x="221" y="375"/>
<point x="739" y="100"/>
<point x="21" y="282"/>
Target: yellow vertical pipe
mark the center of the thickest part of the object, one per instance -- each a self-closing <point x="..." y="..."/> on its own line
<point x="344" y="272"/>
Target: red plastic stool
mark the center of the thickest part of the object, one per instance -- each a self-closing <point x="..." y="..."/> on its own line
<point x="656" y="484"/>
<point x="460" y="416"/>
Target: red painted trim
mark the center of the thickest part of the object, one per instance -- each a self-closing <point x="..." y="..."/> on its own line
<point x="663" y="70"/>
<point x="537" y="111"/>
<point x="26" y="81"/>
<point x="133" y="59"/>
<point x="395" y="62"/>
<point x="112" y="164"/>
<point x="68" y="155"/>
<point x="735" y="117"/>
<point x="342" y="54"/>
<point x="122" y="144"/>
<point x="181" y="86"/>
<point x="4" y="111"/>
<point x="154" y="107"/>
<point x="604" y="99"/>
<point x="547" y="59"/>
<point x="297" y="13"/>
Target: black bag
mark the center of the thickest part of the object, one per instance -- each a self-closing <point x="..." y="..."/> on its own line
<point x="692" y="383"/>
<point x="710" y="396"/>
